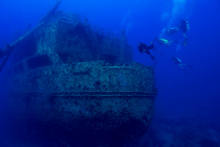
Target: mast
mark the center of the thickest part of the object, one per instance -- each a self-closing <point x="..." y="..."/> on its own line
<point x="13" y="45"/>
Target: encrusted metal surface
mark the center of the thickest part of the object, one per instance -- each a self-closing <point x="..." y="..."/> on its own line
<point x="77" y="83"/>
<point x="91" y="94"/>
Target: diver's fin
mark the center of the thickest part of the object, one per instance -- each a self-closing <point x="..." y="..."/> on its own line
<point x="155" y="39"/>
<point x="190" y="66"/>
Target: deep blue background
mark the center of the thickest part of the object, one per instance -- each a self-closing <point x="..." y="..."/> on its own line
<point x="195" y="94"/>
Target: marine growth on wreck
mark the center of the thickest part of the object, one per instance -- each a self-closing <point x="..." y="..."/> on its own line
<point x="77" y="83"/>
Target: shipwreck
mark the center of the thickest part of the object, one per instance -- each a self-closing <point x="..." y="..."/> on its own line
<point x="76" y="82"/>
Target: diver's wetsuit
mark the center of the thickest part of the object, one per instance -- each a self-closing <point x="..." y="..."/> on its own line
<point x="144" y="48"/>
<point x="166" y="42"/>
<point x="183" y="26"/>
<point x="173" y="30"/>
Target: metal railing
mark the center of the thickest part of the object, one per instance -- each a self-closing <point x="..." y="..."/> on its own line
<point x="73" y="18"/>
<point x="106" y="94"/>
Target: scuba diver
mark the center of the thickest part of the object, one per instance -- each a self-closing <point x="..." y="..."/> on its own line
<point x="177" y="61"/>
<point x="144" y="48"/>
<point x="184" y="26"/>
<point x="5" y="51"/>
<point x="166" y="42"/>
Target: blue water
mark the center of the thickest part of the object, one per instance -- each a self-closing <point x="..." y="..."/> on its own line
<point x="187" y="106"/>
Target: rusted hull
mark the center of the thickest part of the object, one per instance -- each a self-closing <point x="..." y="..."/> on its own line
<point x="88" y="100"/>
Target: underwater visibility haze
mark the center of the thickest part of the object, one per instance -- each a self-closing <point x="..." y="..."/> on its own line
<point x="135" y="73"/>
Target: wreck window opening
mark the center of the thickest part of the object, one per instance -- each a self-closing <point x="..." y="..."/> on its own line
<point x="39" y="61"/>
